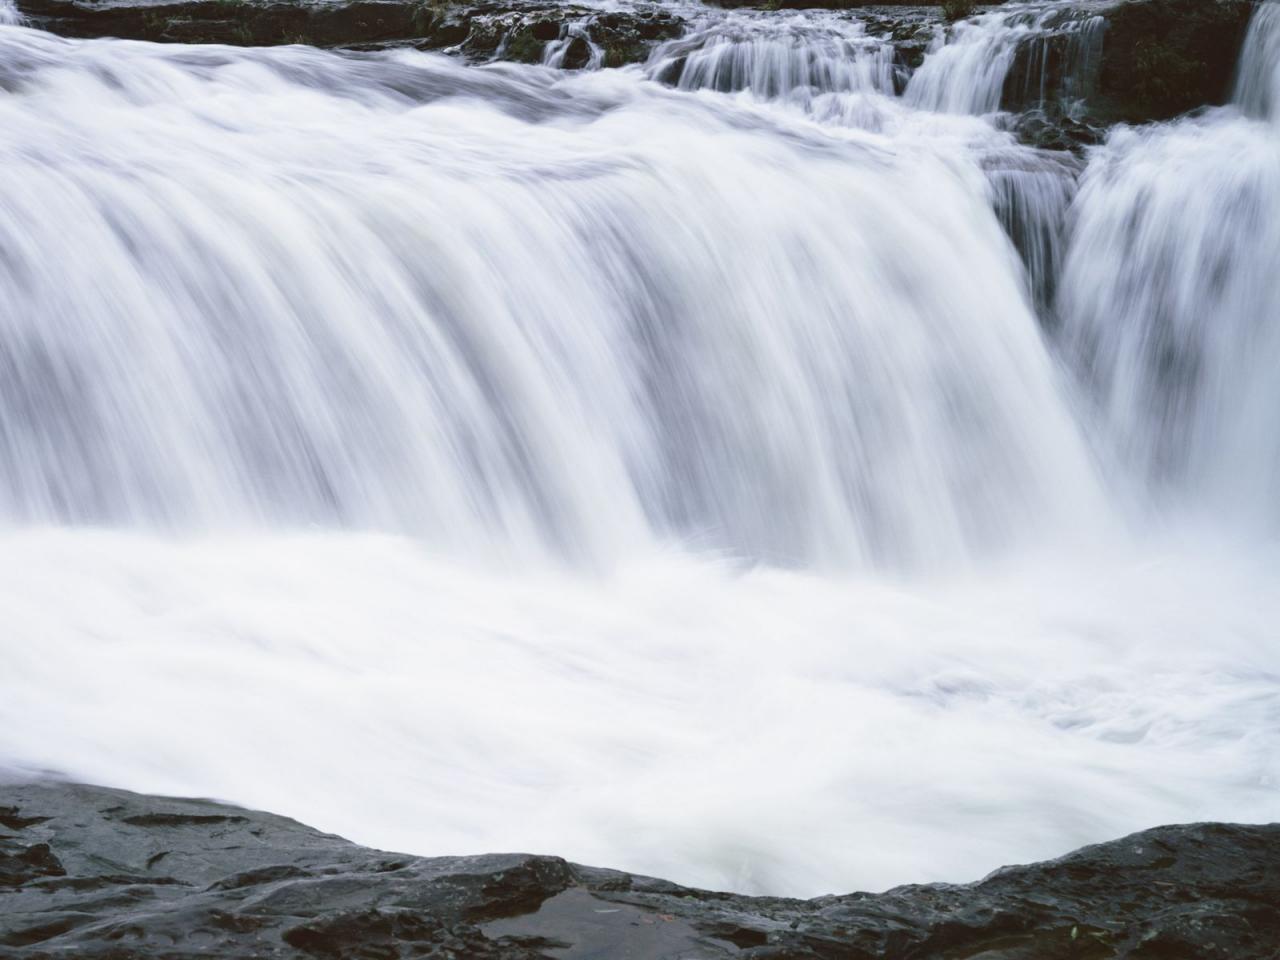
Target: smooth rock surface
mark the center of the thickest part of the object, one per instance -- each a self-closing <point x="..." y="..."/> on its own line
<point x="94" y="872"/>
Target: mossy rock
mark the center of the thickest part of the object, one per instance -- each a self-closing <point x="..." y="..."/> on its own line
<point x="1165" y="57"/>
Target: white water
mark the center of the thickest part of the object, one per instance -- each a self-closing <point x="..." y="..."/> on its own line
<point x="1258" y="84"/>
<point x="673" y="478"/>
<point x="1177" y="231"/>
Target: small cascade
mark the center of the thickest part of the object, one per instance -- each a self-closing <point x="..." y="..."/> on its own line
<point x="1169" y="299"/>
<point x="1170" y="292"/>
<point x="1258" y="81"/>
<point x="1056" y="69"/>
<point x="573" y="50"/>
<point x="1031" y="199"/>
<point x="774" y="58"/>
<point x="1011" y="58"/>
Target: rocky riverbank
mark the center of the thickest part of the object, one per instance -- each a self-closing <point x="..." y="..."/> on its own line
<point x="98" y="873"/>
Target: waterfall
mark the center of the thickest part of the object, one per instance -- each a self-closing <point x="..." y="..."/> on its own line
<point x="777" y="57"/>
<point x="1258" y="81"/>
<point x="971" y="67"/>
<point x="1169" y="296"/>
<point x="1032" y="200"/>
<point x="478" y="457"/>
<point x="439" y="332"/>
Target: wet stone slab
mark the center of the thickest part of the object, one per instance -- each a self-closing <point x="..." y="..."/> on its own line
<point x="92" y="872"/>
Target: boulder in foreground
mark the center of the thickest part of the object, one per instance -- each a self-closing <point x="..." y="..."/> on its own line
<point x="89" y="872"/>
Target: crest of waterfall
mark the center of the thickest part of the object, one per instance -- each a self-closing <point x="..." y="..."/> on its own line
<point x="1258" y="81"/>
<point x="832" y="69"/>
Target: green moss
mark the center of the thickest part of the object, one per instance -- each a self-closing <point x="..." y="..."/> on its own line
<point x="953" y="10"/>
<point x="154" y="25"/>
<point x="523" y="47"/>
<point x="423" y="16"/>
<point x="622" y="53"/>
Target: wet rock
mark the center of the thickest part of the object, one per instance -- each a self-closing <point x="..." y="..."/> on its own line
<point x="1165" y="57"/>
<point x="823" y="4"/>
<point x="1135" y="61"/>
<point x="622" y="36"/>
<point x="1052" y="130"/>
<point x="100" y="873"/>
<point x="509" y="30"/>
<point x="910" y="31"/>
<point x="1058" y="64"/>
<point x="233" y="21"/>
<point x="577" y="54"/>
<point x="1091" y="66"/>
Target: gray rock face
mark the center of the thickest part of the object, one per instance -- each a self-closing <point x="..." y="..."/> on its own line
<point x="98" y="873"/>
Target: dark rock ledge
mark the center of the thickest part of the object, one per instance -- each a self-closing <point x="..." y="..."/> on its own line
<point x="481" y="30"/>
<point x="97" y="873"/>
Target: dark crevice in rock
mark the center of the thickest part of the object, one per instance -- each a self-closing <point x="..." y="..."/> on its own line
<point x="103" y="881"/>
<point x="12" y="820"/>
<point x="178" y="820"/>
<point x="21" y="864"/>
<point x="254" y="878"/>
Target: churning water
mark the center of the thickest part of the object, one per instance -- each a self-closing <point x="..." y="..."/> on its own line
<point x="753" y="467"/>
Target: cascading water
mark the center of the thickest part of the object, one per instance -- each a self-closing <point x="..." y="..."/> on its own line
<point x="559" y="52"/>
<point x="669" y="467"/>
<point x="1258" y="85"/>
<point x="1177" y="230"/>
<point x="778" y="57"/>
<point x="571" y="390"/>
